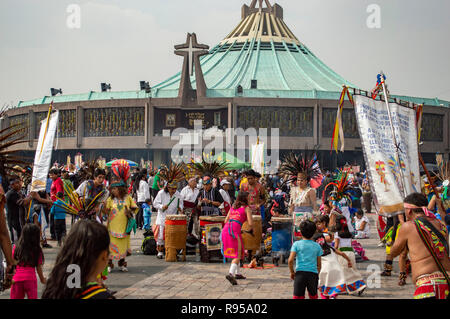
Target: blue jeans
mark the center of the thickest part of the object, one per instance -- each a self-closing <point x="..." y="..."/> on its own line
<point x="147" y="221"/>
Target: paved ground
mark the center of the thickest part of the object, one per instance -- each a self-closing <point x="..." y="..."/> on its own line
<point x="151" y="278"/>
<point x="194" y="280"/>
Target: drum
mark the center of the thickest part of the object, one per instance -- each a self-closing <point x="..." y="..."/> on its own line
<point x="281" y="234"/>
<point x="253" y="242"/>
<point x="207" y="255"/>
<point x="175" y="236"/>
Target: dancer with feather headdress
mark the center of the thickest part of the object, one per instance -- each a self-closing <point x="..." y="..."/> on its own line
<point x="168" y="202"/>
<point x="120" y="209"/>
<point x="299" y="171"/>
<point x="209" y="198"/>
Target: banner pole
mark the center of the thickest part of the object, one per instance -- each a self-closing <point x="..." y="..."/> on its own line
<point x="397" y="155"/>
<point x="439" y="203"/>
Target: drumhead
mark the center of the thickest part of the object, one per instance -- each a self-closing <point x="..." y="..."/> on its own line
<point x="213" y="218"/>
<point x="176" y="217"/>
<point x="282" y="219"/>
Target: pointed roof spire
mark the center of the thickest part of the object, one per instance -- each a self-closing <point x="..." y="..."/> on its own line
<point x="263" y="23"/>
<point x="268" y="5"/>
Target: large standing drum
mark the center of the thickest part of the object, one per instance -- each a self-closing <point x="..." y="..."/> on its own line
<point x="175" y="236"/>
<point x="282" y="232"/>
<point x="253" y="242"/>
<point x="206" y="255"/>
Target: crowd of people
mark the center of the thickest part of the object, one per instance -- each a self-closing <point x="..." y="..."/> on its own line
<point x="107" y="204"/>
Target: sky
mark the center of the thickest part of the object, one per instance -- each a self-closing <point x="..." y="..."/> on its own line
<point x="123" y="42"/>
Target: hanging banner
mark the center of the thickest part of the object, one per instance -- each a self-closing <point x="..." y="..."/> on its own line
<point x="258" y="158"/>
<point x="384" y="171"/>
<point x="44" y="153"/>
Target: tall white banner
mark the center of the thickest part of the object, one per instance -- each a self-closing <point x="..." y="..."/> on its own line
<point x="44" y="153"/>
<point x="387" y="177"/>
<point x="258" y="158"/>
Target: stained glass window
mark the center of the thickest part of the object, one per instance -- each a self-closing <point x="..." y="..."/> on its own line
<point x="67" y="123"/>
<point x="298" y="121"/>
<point x="433" y="127"/>
<point x="123" y="121"/>
<point x="348" y="120"/>
<point x="39" y="116"/>
<point x="20" y="119"/>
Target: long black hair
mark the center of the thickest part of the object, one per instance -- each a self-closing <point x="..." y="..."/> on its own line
<point x="342" y="228"/>
<point x="85" y="242"/>
<point x="28" y="249"/>
<point x="241" y="200"/>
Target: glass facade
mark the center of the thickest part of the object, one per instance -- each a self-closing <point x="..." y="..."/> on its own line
<point x="432" y="127"/>
<point x="292" y="121"/>
<point x="129" y="121"/>
<point x="348" y="120"/>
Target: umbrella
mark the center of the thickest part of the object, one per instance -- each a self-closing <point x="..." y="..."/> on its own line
<point x="233" y="162"/>
<point x="131" y="163"/>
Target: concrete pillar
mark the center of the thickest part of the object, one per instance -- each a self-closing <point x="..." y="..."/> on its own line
<point x="80" y="126"/>
<point x="32" y="128"/>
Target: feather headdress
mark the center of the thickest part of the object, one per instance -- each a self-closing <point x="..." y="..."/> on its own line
<point x="341" y="189"/>
<point x="121" y="171"/>
<point x="78" y="205"/>
<point x="9" y="160"/>
<point x="172" y="174"/>
<point x="210" y="168"/>
<point x="88" y="170"/>
<point x="292" y="165"/>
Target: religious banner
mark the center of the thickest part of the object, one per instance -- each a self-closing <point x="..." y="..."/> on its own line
<point x="44" y="152"/>
<point x="258" y="158"/>
<point x="390" y="180"/>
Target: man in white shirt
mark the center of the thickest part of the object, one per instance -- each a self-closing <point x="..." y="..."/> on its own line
<point x="189" y="195"/>
<point x="167" y="202"/>
<point x="225" y="206"/>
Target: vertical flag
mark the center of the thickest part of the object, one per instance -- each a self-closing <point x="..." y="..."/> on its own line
<point x="338" y="132"/>
<point x="44" y="151"/>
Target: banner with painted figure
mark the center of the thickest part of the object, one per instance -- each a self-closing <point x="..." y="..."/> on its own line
<point x="258" y="158"/>
<point x="389" y="179"/>
<point x="44" y="152"/>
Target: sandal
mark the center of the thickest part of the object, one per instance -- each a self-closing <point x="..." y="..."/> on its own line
<point x="402" y="279"/>
<point x="231" y="279"/>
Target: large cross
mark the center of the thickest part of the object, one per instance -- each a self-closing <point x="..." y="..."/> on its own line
<point x="191" y="47"/>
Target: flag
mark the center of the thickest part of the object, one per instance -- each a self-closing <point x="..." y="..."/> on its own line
<point x="338" y="132"/>
<point x="44" y="151"/>
<point x="419" y="113"/>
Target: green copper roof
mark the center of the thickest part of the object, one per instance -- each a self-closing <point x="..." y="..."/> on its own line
<point x="277" y="66"/>
<point x="91" y="96"/>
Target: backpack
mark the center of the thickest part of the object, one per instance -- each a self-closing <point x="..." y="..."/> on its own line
<point x="149" y="246"/>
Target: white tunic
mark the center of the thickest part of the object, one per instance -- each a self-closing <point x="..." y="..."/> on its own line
<point x="163" y="199"/>
<point x="188" y="194"/>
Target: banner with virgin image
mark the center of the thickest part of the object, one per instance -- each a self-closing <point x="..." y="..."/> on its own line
<point x="390" y="177"/>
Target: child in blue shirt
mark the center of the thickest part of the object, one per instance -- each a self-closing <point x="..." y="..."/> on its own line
<point x="307" y="252"/>
<point x="60" y="218"/>
<point x="147" y="213"/>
